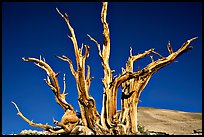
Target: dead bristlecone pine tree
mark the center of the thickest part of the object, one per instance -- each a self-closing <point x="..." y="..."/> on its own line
<point x="109" y="121"/>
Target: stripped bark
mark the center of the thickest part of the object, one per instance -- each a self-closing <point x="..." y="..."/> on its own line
<point x="89" y="114"/>
<point x="110" y="121"/>
<point x="52" y="82"/>
<point x="133" y="87"/>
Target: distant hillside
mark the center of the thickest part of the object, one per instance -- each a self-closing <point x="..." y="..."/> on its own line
<point x="169" y="121"/>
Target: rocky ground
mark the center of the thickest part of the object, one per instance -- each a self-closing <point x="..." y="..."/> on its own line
<point x="154" y="121"/>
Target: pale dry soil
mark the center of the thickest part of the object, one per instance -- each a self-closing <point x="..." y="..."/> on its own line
<point x="169" y="121"/>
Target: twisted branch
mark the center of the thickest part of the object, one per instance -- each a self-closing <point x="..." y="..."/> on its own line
<point x="88" y="109"/>
<point x="64" y="58"/>
<point x="31" y="123"/>
<point x="52" y="82"/>
<point x="72" y="37"/>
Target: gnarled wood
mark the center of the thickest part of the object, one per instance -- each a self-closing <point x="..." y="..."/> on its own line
<point x="110" y="121"/>
<point x="45" y="127"/>
<point x="87" y="103"/>
<point x="52" y="82"/>
<point x="137" y="85"/>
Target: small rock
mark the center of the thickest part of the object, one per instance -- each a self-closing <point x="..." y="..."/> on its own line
<point x="81" y="130"/>
<point x="197" y="131"/>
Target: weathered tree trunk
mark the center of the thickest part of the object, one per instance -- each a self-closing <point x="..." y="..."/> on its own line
<point x="110" y="121"/>
<point x="89" y="114"/>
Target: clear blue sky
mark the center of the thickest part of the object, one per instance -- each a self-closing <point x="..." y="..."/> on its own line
<point x="34" y="29"/>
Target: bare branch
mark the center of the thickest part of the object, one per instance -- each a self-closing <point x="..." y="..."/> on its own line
<point x="48" y="82"/>
<point x="105" y="53"/>
<point x="106" y="33"/>
<point x="60" y="13"/>
<point x="48" y="70"/>
<point x="130" y="51"/>
<point x="64" y="81"/>
<point x="72" y="37"/>
<point x="87" y="52"/>
<point x="160" y="63"/>
<point x="45" y="127"/>
<point x="51" y="81"/>
<point x="81" y="49"/>
<point x="141" y="78"/>
<point x="16" y="107"/>
<point x="152" y="58"/>
<point x="88" y="72"/>
<point x="139" y="56"/>
<point x="83" y="93"/>
<point x="44" y="59"/>
<point x="98" y="45"/>
<point x="169" y="48"/>
<point x="157" y="54"/>
<point x="188" y="42"/>
<point x="64" y="58"/>
<point x="42" y="67"/>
